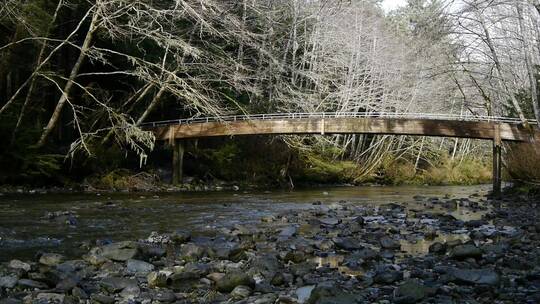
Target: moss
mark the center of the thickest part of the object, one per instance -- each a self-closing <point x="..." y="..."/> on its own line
<point x="123" y="179"/>
<point x="318" y="169"/>
<point x="446" y="171"/>
<point x="467" y="171"/>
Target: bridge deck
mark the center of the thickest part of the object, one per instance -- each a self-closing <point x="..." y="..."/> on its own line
<point x="507" y="129"/>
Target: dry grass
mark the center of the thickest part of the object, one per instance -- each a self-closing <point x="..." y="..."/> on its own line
<point x="522" y="162"/>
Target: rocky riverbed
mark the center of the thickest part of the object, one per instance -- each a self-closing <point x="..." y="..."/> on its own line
<point x="338" y="252"/>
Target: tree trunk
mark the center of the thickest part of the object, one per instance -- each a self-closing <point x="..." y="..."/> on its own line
<point x="71" y="81"/>
<point x="33" y="77"/>
<point x="499" y="68"/>
<point x="528" y="63"/>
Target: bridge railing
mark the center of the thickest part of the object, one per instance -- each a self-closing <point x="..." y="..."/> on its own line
<point x="280" y="116"/>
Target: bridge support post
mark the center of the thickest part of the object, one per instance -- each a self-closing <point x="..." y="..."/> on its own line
<point x="497" y="162"/>
<point x="178" y="161"/>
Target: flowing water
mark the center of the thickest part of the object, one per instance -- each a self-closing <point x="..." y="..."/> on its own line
<point x="62" y="222"/>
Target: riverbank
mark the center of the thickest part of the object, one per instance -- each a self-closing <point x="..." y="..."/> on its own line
<point x="325" y="252"/>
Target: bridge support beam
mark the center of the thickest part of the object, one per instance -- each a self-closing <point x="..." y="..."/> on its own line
<point x="178" y="162"/>
<point x="497" y="161"/>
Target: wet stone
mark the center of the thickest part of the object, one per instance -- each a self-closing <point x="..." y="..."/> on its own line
<point x="25" y="283"/>
<point x="51" y="259"/>
<point x="165" y="296"/>
<point x="50" y="298"/>
<point x="413" y="291"/>
<point x="156" y="279"/>
<point x="475" y="276"/>
<point x="191" y="252"/>
<point x="465" y="251"/>
<point x="388" y="276"/>
<point x="130" y="292"/>
<point x="347" y="243"/>
<point x="136" y="266"/>
<point x="116" y="284"/>
<point x="230" y="280"/>
<point x="241" y="292"/>
<point x="16" y="264"/>
<point x="79" y="293"/>
<point x="120" y="252"/>
<point x="437" y="248"/>
<point x="180" y="236"/>
<point x="8" y="281"/>
<point x="102" y="299"/>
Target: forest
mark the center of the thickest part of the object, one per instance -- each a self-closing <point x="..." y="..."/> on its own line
<point x="79" y="78"/>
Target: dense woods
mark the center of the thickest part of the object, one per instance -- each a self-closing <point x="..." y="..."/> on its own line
<point x="78" y="78"/>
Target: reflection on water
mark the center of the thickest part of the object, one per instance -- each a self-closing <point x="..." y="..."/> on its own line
<point x="61" y="222"/>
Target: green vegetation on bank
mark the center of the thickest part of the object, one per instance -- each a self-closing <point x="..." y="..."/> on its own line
<point x="261" y="163"/>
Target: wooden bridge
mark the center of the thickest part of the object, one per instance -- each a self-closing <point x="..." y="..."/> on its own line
<point x="496" y="129"/>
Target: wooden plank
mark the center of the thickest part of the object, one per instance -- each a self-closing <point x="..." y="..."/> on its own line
<point x="420" y="127"/>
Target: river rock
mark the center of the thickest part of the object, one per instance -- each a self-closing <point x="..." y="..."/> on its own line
<point x="304" y="293"/>
<point x="230" y="280"/>
<point x="16" y="264"/>
<point x="8" y="281"/>
<point x="121" y="251"/>
<point x="72" y="266"/>
<point x="224" y="250"/>
<point x="67" y="283"/>
<point x="347" y="243"/>
<point x="191" y="252"/>
<point x="437" y="248"/>
<point x="79" y="293"/>
<point x="165" y="296"/>
<point x="413" y="291"/>
<point x="10" y="301"/>
<point x="180" y="236"/>
<point x="156" y="279"/>
<point x="50" y="298"/>
<point x="240" y="292"/>
<point x="287" y="232"/>
<point x="101" y="298"/>
<point x="389" y="243"/>
<point x="266" y="264"/>
<point x="26" y="283"/>
<point x="465" y="251"/>
<point x="51" y="259"/>
<point x="114" y="284"/>
<point x="475" y="276"/>
<point x="387" y="276"/>
<point x="329" y="221"/>
<point x="94" y="257"/>
<point x="130" y="292"/>
<point x="141" y="267"/>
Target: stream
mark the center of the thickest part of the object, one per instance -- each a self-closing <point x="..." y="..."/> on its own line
<point x="70" y="223"/>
